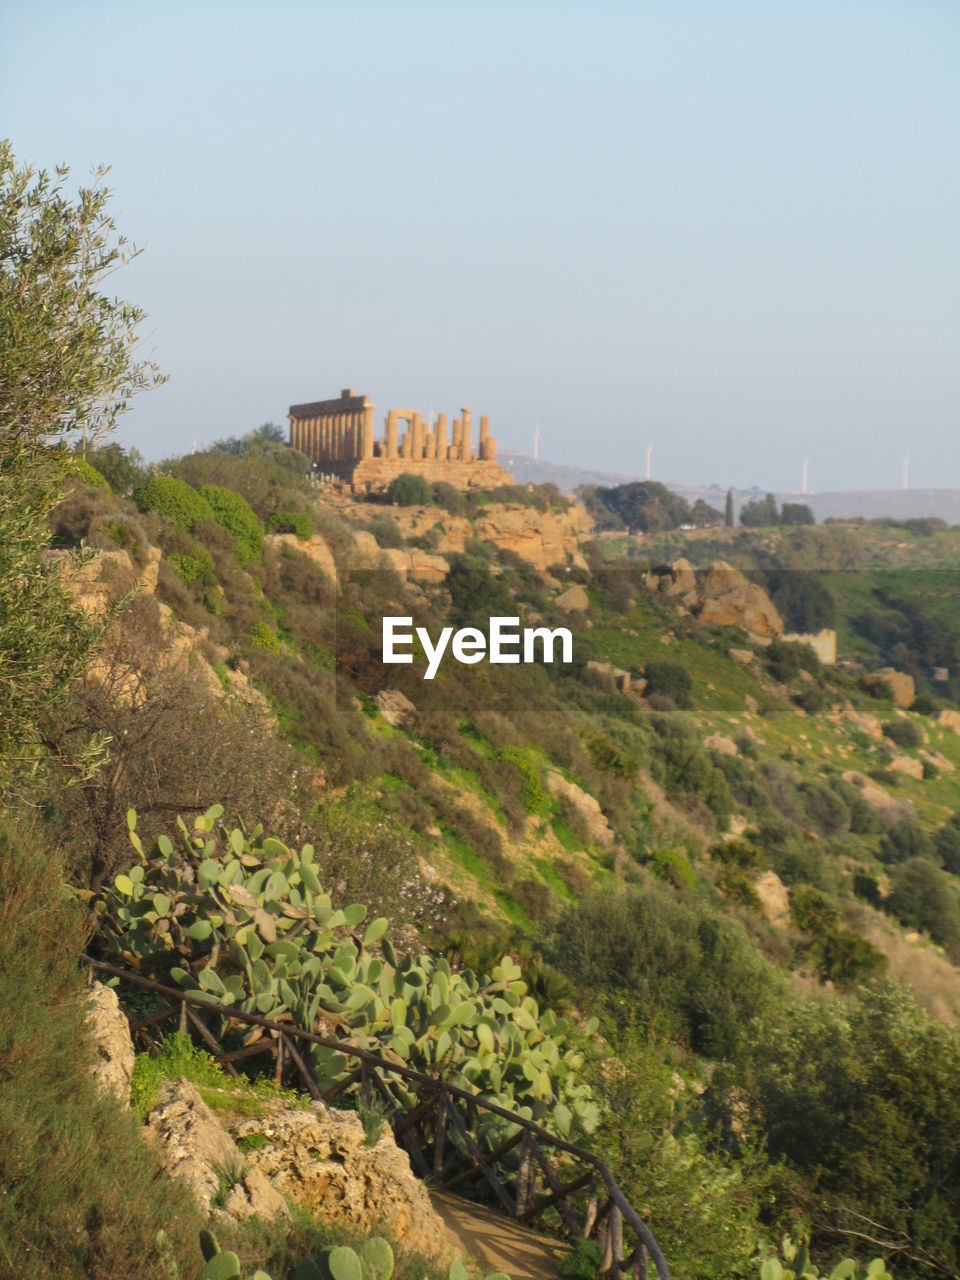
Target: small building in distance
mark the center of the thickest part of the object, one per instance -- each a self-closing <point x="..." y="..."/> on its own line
<point x="338" y="437"/>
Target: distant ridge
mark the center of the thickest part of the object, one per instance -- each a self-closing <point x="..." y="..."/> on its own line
<point x="871" y="504"/>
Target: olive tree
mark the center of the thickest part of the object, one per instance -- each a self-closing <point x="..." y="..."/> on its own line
<point x="68" y="365"/>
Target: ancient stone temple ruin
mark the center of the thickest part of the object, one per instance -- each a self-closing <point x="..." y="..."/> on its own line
<point x="338" y="436"/>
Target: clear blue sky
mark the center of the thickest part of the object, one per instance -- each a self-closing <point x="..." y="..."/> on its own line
<point x="727" y="230"/>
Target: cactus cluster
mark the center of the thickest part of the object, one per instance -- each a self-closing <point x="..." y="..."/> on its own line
<point x="240" y="918"/>
<point x="796" y="1265"/>
<point x="371" y="1260"/>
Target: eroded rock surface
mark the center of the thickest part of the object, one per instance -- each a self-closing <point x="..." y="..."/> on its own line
<point x="113" y="1066"/>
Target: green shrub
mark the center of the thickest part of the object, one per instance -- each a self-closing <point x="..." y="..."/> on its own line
<point x="669" y="679"/>
<point x="532" y="789"/>
<point x="799" y="1267"/>
<point x="672" y="865"/>
<point x="196" y="565"/>
<point x="410" y="490"/>
<point x="173" y="499"/>
<point x="296" y="522"/>
<point x="89" y="475"/>
<point x="233" y="513"/>
<point x="386" y="532"/>
<point x="83" y="1196"/>
<point x="264" y="637"/>
<point x="904" y="733"/>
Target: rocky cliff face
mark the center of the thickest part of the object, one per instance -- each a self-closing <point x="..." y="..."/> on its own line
<point x="720" y="596"/>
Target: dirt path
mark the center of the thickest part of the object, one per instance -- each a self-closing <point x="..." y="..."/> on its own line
<point x="496" y="1243"/>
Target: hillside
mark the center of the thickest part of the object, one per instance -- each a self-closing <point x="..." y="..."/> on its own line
<point x="731" y="854"/>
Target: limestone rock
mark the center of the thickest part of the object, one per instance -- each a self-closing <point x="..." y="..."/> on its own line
<point x="107" y="1023"/>
<point x="875" y="795"/>
<point x="774" y="899"/>
<point x="191" y="1141"/>
<point x="901" y="685"/>
<point x="395" y="707"/>
<point x="680" y="580"/>
<point x="861" y="720"/>
<point x="906" y="764"/>
<point x="737" y="824"/>
<point x="255" y="1195"/>
<point x="750" y="702"/>
<point x="949" y="719"/>
<point x="573" y="600"/>
<point x="319" y="1158"/>
<point x="743" y="657"/>
<point x="725" y="598"/>
<point x="314" y="548"/>
<point x="939" y="761"/>
<point x="614" y="677"/>
<point x="723" y="746"/>
<point x="585" y="805"/>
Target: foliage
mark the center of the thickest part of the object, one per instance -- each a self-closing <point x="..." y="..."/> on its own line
<point x="793" y="513"/>
<point x="263" y="636"/>
<point x="786" y="659"/>
<point x="123" y="469"/>
<point x="67" y="362"/>
<point x="904" y="733"/>
<point x="679" y="962"/>
<point x="196" y="565"/>
<point x="233" y="513"/>
<point x="532" y="792"/>
<point x="173" y="499"/>
<point x="297" y="522"/>
<point x="799" y="1266"/>
<point x="82" y="1193"/>
<point x="410" y="490"/>
<point x="87" y="474"/>
<point x="670" y="678"/>
<point x="644" y="505"/>
<point x="760" y="512"/>
<point x="178" y="1057"/>
<point x="245" y="920"/>
<point x="803" y="600"/>
<point x="923" y="896"/>
<point x="477" y="593"/>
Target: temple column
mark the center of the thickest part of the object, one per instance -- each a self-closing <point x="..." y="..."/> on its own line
<point x="455" y="445"/>
<point x="441" y="442"/>
<point x="392" y="434"/>
<point x="416" y="438"/>
<point x="367" y="441"/>
<point x="465" y="437"/>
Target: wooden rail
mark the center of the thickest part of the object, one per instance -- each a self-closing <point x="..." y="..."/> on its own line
<point x="436" y="1130"/>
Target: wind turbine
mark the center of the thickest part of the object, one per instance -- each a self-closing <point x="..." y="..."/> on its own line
<point x="906" y="472"/>
<point x="649" y="455"/>
<point x="806" y="464"/>
<point x="536" y="442"/>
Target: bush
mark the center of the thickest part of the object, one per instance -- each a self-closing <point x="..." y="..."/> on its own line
<point x="173" y="499"/>
<point x="410" y="490"/>
<point x="89" y="475"/>
<point x="83" y="1194"/>
<point x="196" y="565"/>
<point x="264" y="637"/>
<point x="904" y="733"/>
<point x="785" y="660"/>
<point x="923" y="896"/>
<point x="296" y="522"/>
<point x="532" y="790"/>
<point x="386" y="532"/>
<point x="233" y="513"/>
<point x="905" y="839"/>
<point x="669" y="679"/>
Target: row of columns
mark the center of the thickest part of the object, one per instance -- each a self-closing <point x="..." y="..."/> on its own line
<point x="419" y="444"/>
<point x="338" y="436"/>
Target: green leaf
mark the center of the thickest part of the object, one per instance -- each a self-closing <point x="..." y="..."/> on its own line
<point x="124" y="884"/>
<point x="131" y="819"/>
<point x="375" y="930"/>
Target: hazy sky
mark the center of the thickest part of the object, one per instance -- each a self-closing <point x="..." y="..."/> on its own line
<point x="727" y="230"/>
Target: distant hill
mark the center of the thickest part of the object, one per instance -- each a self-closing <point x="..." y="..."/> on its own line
<point x="901" y="504"/>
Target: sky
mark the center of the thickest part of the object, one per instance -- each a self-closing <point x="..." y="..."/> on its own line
<point x="726" y="231"/>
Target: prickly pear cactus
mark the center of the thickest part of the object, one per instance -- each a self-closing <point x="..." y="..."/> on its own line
<point x="241" y="919"/>
<point x="796" y="1265"/>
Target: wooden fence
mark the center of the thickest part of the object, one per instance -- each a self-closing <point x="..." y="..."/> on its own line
<point x="532" y="1174"/>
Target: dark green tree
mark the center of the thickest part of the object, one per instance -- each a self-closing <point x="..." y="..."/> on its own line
<point x="729" y="518"/>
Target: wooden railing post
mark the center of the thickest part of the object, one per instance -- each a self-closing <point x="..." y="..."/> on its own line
<point x="441" y="1133"/>
<point x="525" y="1176"/>
<point x="616" y="1241"/>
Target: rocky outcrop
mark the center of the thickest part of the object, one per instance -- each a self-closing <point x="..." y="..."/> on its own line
<point x="721" y="745"/>
<point x="901" y="685"/>
<point x="875" y="796"/>
<point x="319" y="1158"/>
<point x="614" y="678"/>
<point x="395" y="707"/>
<point x="722" y="597"/>
<point x="542" y="538"/>
<point x="906" y="764"/>
<point x="870" y="725"/>
<point x="314" y="548"/>
<point x="948" y="719"/>
<point x="193" y="1145"/>
<point x="584" y="805"/>
<point x="112" y="1067"/>
<point x="411" y="563"/>
<point x="573" y="600"/>
<point x="742" y="657"/>
<point x="774" y="899"/>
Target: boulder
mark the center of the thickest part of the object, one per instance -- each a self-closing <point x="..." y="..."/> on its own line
<point x="939" y="761"/>
<point x="112" y="1067"/>
<point x="680" y="580"/>
<point x="774" y="899"/>
<point x="875" y="795"/>
<point x="193" y="1145"/>
<point x="573" y="600"/>
<point x="948" y="719"/>
<point x="870" y="725"/>
<point x="613" y="677"/>
<point x="395" y="707"/>
<point x="725" y="598"/>
<point x="743" y="657"/>
<point x="901" y="685"/>
<point x="587" y="808"/>
<point x="906" y="764"/>
<point x="314" y="548"/>
<point x="320" y="1159"/>
<point x="723" y="746"/>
